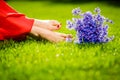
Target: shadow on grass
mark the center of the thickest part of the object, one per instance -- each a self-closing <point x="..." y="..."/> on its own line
<point x="88" y="45"/>
<point x="103" y="46"/>
<point x="14" y="44"/>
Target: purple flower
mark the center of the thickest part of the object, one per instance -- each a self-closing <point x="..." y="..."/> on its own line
<point x="69" y="24"/>
<point x="76" y="11"/>
<point x="68" y="39"/>
<point x="110" y="21"/>
<point x="97" y="10"/>
<point x="90" y="27"/>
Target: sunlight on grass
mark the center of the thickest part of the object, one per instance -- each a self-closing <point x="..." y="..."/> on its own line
<point x="42" y="60"/>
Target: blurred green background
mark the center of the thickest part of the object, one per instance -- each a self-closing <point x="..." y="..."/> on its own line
<point x="41" y="60"/>
<point x="111" y="2"/>
<point x="67" y="0"/>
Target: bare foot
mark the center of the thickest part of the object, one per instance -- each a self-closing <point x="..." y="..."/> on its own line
<point x="49" y="35"/>
<point x="47" y="24"/>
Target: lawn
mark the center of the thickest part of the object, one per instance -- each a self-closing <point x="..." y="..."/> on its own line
<point x="42" y="60"/>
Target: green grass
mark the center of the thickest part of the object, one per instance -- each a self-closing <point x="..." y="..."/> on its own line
<point x="42" y="60"/>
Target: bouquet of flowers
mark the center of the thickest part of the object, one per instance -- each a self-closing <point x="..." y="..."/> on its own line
<point x="90" y="28"/>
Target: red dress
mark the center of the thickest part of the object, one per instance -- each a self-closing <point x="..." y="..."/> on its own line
<point x="13" y="25"/>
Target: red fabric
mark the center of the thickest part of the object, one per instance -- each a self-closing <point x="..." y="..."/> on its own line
<point x="13" y="25"/>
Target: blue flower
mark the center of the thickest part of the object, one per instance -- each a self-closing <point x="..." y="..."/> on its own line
<point x="68" y="39"/>
<point x="90" y="28"/>
<point x="69" y="24"/>
<point x="76" y="11"/>
<point x="97" y="10"/>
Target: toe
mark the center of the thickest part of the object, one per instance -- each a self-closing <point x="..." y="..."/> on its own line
<point x="55" y="23"/>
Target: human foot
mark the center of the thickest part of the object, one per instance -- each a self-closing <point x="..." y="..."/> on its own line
<point x="47" y="24"/>
<point x="49" y="35"/>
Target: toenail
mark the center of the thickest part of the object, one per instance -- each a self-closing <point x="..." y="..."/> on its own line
<point x="58" y="26"/>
